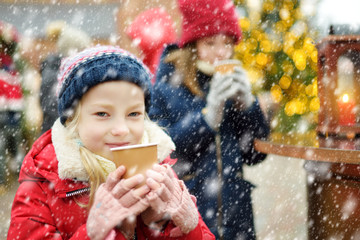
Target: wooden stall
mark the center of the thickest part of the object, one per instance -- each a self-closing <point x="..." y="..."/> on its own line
<point x="333" y="168"/>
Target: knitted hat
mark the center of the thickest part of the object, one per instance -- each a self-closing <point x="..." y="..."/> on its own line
<point x="95" y="65"/>
<point x="205" y="18"/>
<point x="151" y="30"/>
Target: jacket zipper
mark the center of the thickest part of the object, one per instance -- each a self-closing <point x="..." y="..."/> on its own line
<point x="76" y="192"/>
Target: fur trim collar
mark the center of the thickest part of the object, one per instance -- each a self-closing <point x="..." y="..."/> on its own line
<point x="68" y="154"/>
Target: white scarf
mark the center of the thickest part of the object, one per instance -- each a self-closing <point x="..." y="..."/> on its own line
<point x="67" y="150"/>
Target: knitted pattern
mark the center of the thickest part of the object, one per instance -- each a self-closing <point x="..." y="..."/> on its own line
<point x="205" y="18"/>
<point x="96" y="65"/>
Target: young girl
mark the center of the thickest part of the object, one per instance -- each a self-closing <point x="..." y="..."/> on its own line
<point x="212" y="118"/>
<point x="69" y="186"/>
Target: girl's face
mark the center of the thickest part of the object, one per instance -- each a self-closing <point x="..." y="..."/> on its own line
<point x="111" y="115"/>
<point x="215" y="48"/>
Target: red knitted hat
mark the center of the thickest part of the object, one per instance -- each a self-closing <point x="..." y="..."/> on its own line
<point x="204" y="18"/>
<point x="152" y="29"/>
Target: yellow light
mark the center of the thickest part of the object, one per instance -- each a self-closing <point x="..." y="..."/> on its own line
<point x="299" y="58"/>
<point x="311" y="90"/>
<point x="279" y="27"/>
<point x="290" y="37"/>
<point x="241" y="47"/>
<point x="257" y="34"/>
<point x="308" y="46"/>
<point x="265" y="45"/>
<point x="313" y="56"/>
<point x="268" y="7"/>
<point x="284" y="14"/>
<point x="314" y="104"/>
<point x="261" y="59"/>
<point x="256" y="76"/>
<point x="249" y="59"/>
<point x="294" y="106"/>
<point x="245" y="24"/>
<point x="297" y="14"/>
<point x="251" y="43"/>
<point x="288" y="5"/>
<point x="288" y="67"/>
<point x="300" y="64"/>
<point x="298" y="105"/>
<point x="288" y="49"/>
<point x="308" y="90"/>
<point x="345" y="98"/>
<point x="276" y="93"/>
<point x="276" y="45"/>
<point x="290" y="108"/>
<point x="315" y="87"/>
<point x="285" y="82"/>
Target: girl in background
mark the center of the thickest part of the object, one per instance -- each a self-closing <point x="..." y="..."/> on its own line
<point x="212" y="118"/>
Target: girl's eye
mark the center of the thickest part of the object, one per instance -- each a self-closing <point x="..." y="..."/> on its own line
<point x="210" y="43"/>
<point x="134" y="114"/>
<point x="101" y="114"/>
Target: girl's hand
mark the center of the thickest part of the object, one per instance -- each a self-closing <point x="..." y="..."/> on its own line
<point x="169" y="199"/>
<point x="243" y="96"/>
<point x="220" y="91"/>
<point x="116" y="200"/>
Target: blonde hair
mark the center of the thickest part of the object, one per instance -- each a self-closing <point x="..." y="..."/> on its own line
<point x="92" y="166"/>
<point x="184" y="60"/>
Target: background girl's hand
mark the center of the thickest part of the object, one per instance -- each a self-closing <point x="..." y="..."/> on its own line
<point x="241" y="83"/>
<point x="116" y="200"/>
<point x="220" y="91"/>
<point x="169" y="199"/>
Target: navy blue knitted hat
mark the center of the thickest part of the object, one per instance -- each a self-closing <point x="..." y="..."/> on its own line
<point x="96" y="65"/>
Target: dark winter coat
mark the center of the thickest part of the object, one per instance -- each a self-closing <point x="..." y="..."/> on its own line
<point x="180" y="112"/>
<point x="48" y="99"/>
<point x="52" y="183"/>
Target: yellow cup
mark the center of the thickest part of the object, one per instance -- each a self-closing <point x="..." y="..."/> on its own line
<point x="136" y="158"/>
<point x="226" y="66"/>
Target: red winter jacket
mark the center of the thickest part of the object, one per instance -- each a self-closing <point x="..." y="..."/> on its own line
<point x="45" y="206"/>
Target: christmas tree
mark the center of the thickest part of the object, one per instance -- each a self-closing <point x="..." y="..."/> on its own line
<point x="279" y="53"/>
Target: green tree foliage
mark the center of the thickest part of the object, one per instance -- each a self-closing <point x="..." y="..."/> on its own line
<point x="279" y="53"/>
